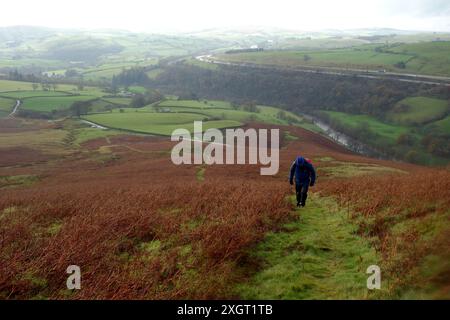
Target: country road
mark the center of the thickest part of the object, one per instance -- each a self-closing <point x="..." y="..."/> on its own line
<point x="369" y="74"/>
<point x="16" y="107"/>
<point x="94" y="125"/>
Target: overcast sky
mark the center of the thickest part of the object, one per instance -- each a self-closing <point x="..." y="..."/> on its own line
<point x="190" y="15"/>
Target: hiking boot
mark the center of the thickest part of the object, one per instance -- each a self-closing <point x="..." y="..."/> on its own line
<point x="304" y="197"/>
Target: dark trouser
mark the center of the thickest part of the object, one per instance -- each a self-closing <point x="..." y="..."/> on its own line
<point x="301" y="190"/>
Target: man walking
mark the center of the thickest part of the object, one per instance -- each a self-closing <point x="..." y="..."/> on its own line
<point x="305" y="177"/>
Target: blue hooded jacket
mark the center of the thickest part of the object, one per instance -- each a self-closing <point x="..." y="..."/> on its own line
<point x="303" y="171"/>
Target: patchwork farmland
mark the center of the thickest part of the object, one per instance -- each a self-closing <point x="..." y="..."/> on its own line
<point x="87" y="176"/>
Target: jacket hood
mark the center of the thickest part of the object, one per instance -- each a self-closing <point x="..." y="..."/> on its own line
<point x="300" y="161"/>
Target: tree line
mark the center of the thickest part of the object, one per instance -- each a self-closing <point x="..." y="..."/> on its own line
<point x="309" y="93"/>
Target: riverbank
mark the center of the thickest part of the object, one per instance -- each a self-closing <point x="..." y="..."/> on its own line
<point x="345" y="140"/>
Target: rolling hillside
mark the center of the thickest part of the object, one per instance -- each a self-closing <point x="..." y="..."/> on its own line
<point x="161" y="245"/>
<point x="428" y="58"/>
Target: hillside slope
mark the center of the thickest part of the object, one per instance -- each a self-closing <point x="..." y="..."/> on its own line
<point x="141" y="227"/>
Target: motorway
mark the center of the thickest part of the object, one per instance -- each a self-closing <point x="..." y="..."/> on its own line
<point x="344" y="72"/>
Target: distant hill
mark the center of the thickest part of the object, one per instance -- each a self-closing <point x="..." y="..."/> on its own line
<point x="22" y="33"/>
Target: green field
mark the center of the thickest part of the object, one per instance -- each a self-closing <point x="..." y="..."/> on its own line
<point x="8" y="85"/>
<point x="223" y="110"/>
<point x="431" y="58"/>
<point x="427" y="57"/>
<point x="108" y="70"/>
<point x="217" y="113"/>
<point x="155" y="123"/>
<point x="6" y="106"/>
<point x="442" y="126"/>
<point x="266" y="114"/>
<point x="396" y="140"/>
<point x="47" y="104"/>
<point x="418" y="110"/>
<point x="28" y="94"/>
<point x="102" y="72"/>
<point x="201" y="64"/>
<point x="182" y="113"/>
<point x="388" y="131"/>
<point x="200" y="104"/>
<point x="348" y="58"/>
<point x="48" y="100"/>
<point x="137" y="89"/>
<point x="91" y="91"/>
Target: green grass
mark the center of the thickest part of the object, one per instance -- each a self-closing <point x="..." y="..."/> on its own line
<point x="443" y="126"/>
<point x="418" y="110"/>
<point x="85" y="134"/>
<point x="431" y="58"/>
<point x="223" y="109"/>
<point x="37" y="93"/>
<point x="317" y="256"/>
<point x="201" y="64"/>
<point x="289" y="137"/>
<point x="270" y="115"/>
<point x="6" y="105"/>
<point x="16" y="181"/>
<point x="200" y="104"/>
<point x="91" y="91"/>
<point x="351" y="169"/>
<point x="218" y="113"/>
<point x="379" y="134"/>
<point x="101" y="73"/>
<point x="155" y="123"/>
<point x="350" y="58"/>
<point x="108" y="70"/>
<point x="125" y="109"/>
<point x="137" y="89"/>
<point x="47" y="104"/>
<point x="428" y="57"/>
<point x="387" y="131"/>
<point x="265" y="115"/>
<point x="8" y="85"/>
<point x="200" y="175"/>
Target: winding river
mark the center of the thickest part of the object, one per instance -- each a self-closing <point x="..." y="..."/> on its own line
<point x="345" y="140"/>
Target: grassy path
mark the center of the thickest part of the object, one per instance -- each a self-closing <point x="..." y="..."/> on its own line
<point x="318" y="256"/>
